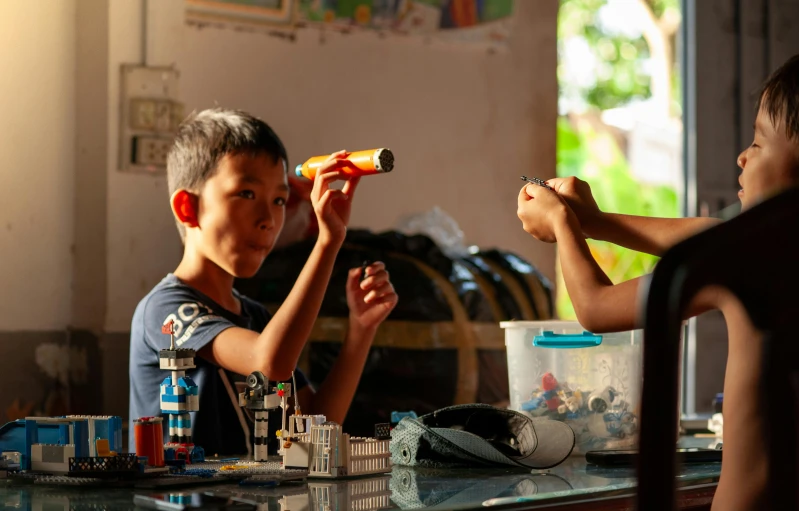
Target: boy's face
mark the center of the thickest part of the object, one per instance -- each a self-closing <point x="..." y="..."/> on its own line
<point x="241" y="211"/>
<point x="770" y="164"/>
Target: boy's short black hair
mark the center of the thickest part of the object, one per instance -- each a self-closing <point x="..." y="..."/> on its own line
<point x="204" y="138"/>
<point x="779" y="97"/>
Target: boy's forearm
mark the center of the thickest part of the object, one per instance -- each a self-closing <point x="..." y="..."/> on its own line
<point x="645" y="234"/>
<point x="288" y="331"/>
<point x="335" y="394"/>
<point x="600" y="306"/>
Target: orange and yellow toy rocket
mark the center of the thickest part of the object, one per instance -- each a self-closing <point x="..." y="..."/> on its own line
<point x="361" y="163"/>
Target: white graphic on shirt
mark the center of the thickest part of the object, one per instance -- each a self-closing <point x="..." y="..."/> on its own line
<point x="189" y="312"/>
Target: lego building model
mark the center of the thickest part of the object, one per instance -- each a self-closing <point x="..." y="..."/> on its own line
<point x="311" y="442"/>
<point x="78" y="445"/>
<point x="85" y="450"/>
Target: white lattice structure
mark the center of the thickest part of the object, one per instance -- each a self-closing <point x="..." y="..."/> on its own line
<point x="368" y="456"/>
<point x="356" y="495"/>
<point x="332" y="453"/>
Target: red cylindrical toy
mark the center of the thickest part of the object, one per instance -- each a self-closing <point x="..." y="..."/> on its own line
<point x="149" y="435"/>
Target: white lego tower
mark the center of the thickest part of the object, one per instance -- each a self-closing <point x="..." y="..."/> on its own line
<point x="257" y="397"/>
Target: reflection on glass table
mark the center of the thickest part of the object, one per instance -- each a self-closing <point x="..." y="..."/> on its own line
<point x="404" y="488"/>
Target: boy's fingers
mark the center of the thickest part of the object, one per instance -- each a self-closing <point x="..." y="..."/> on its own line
<point x="374" y="281"/>
<point x="388" y="301"/>
<point x="379" y="292"/>
<point x="337" y="155"/>
<point x="332" y="164"/>
<point x="328" y="198"/>
<point x="375" y="267"/>
<point x="351" y="185"/>
<point x="322" y="182"/>
<point x="523" y="195"/>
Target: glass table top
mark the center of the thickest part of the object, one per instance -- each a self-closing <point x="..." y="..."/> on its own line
<point x="403" y="488"/>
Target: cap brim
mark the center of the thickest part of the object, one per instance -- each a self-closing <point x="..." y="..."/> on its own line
<point x="555" y="442"/>
<point x="474" y="445"/>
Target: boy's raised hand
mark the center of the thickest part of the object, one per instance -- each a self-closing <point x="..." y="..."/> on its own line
<point x="578" y="196"/>
<point x="372" y="298"/>
<point x="333" y="207"/>
<point x="541" y="211"/>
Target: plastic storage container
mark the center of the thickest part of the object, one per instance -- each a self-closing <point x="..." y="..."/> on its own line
<point x="592" y="382"/>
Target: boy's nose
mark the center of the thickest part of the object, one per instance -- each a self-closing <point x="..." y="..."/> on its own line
<point x="267" y="221"/>
<point x="266" y="224"/>
<point x="742" y="159"/>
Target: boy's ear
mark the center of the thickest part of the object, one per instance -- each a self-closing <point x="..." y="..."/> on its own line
<point x="185" y="207"/>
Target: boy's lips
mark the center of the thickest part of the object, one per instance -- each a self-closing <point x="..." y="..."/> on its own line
<point x="740" y="193"/>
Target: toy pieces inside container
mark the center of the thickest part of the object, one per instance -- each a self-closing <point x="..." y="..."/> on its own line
<point x="600" y="419"/>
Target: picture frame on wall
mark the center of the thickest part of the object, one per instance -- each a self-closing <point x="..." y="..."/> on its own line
<point x="271" y="12"/>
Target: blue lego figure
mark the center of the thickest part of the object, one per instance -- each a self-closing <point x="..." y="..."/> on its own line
<point x="179" y="396"/>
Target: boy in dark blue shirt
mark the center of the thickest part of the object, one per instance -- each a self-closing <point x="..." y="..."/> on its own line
<point x="228" y="186"/>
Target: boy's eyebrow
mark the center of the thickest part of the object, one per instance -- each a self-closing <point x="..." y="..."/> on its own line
<point x="248" y="178"/>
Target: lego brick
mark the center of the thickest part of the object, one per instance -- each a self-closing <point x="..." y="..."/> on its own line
<point x="63" y="434"/>
<point x="173" y="408"/>
<point x="110" y="464"/>
<point x="43" y="466"/>
<point x="31" y="437"/>
<point x="52" y="453"/>
<point x="186" y="382"/>
<point x="92" y="434"/>
<point x="383" y="430"/>
<point x="80" y="438"/>
<point x="177" y="353"/>
<point x="171" y="390"/>
<point x="166" y="398"/>
<point x="297" y="455"/>
<point x="177" y="421"/>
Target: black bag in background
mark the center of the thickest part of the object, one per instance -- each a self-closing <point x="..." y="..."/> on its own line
<point x="440" y="346"/>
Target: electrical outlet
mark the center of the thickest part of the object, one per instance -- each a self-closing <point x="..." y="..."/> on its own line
<point x="142" y="114"/>
<point x="150" y="113"/>
<point x="150" y="151"/>
<point x="155" y="115"/>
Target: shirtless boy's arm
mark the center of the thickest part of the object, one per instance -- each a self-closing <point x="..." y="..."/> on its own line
<point x="600" y="305"/>
<point x="640" y="233"/>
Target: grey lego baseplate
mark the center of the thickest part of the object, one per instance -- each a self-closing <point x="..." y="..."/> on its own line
<point x="235" y="471"/>
<point x="289" y="476"/>
<point x="241" y="469"/>
<point x="68" y="481"/>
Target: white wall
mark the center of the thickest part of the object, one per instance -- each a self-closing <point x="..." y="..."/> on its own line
<point x="463" y="124"/>
<point x="143" y="244"/>
<point x="37" y="144"/>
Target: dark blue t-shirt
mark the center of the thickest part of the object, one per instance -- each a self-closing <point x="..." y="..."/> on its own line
<point x="219" y="425"/>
